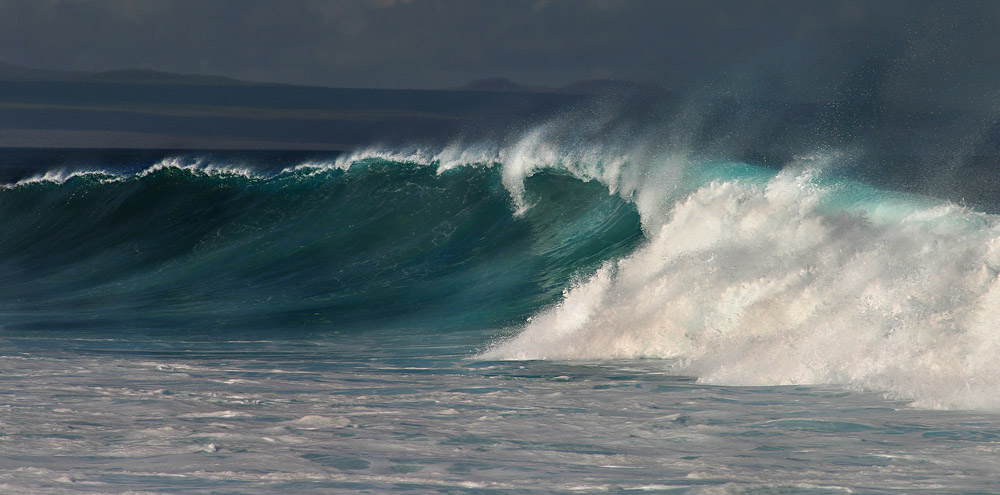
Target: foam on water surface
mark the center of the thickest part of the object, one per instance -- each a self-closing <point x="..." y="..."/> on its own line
<point x="792" y="281"/>
<point x="331" y="417"/>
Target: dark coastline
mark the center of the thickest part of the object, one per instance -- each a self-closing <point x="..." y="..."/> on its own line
<point x="73" y="114"/>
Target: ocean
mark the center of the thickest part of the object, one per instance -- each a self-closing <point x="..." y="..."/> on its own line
<point x="532" y="315"/>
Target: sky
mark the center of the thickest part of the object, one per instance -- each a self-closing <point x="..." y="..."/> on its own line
<point x="943" y="52"/>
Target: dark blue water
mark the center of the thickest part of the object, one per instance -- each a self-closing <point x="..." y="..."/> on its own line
<point x="196" y="245"/>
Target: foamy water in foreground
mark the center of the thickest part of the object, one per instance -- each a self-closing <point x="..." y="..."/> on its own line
<point x="334" y="416"/>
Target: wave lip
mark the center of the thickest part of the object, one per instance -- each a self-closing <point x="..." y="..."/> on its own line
<point x="193" y="165"/>
<point x="60" y="177"/>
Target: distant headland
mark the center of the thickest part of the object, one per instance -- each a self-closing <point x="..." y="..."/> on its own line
<point x="141" y="108"/>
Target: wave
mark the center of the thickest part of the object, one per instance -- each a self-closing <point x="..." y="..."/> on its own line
<point x="582" y="249"/>
<point x="188" y="246"/>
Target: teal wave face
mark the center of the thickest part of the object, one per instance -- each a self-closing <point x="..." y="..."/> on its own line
<point x="384" y="243"/>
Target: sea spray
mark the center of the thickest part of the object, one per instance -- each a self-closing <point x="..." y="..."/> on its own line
<point x="796" y="281"/>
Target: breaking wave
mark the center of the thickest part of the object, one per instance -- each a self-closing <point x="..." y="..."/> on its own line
<point x="734" y="273"/>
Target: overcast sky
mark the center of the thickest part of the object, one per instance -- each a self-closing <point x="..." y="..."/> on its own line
<point x="948" y="51"/>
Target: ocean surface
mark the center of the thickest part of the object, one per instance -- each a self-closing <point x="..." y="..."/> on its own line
<point x="535" y="315"/>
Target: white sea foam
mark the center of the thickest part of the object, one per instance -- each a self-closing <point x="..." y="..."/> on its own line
<point x="314" y="422"/>
<point x="418" y="156"/>
<point x="199" y="166"/>
<point x="339" y="420"/>
<point x="453" y="156"/>
<point x="313" y="167"/>
<point x="61" y="176"/>
<point x="762" y="284"/>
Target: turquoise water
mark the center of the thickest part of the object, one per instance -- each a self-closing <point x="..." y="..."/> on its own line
<point x="182" y="247"/>
<point x="523" y="319"/>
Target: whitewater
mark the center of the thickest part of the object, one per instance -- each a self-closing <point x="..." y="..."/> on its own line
<point x="556" y="313"/>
